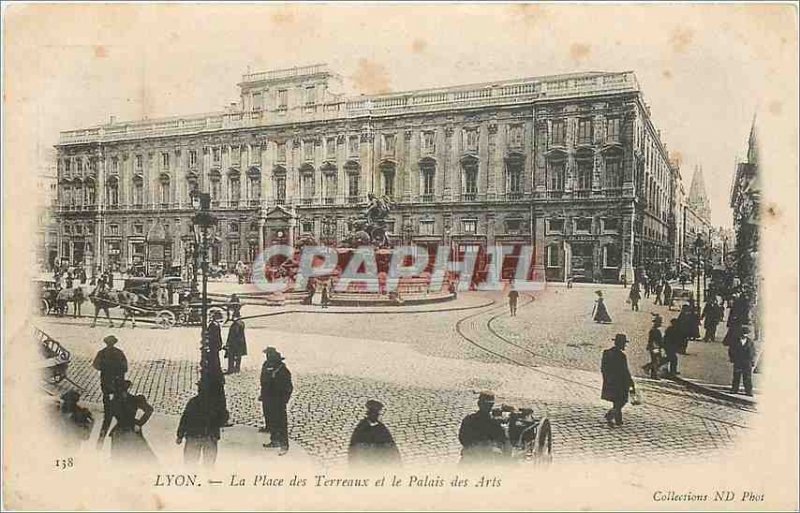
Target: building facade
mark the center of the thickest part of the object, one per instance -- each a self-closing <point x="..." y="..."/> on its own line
<point x="46" y="241"/>
<point x="746" y="204"/>
<point x="571" y="164"/>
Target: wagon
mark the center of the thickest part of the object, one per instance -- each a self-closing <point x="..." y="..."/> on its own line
<point x="55" y="357"/>
<point x="531" y="438"/>
<point x="47" y="291"/>
<point x="187" y="312"/>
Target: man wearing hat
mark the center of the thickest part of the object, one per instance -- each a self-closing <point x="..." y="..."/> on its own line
<point x="741" y="352"/>
<point x="214" y="338"/>
<point x="617" y="380"/>
<point x="654" y="346"/>
<point x="112" y="364"/>
<point x="371" y="441"/>
<point x="77" y="421"/>
<point x="236" y="345"/>
<point x="482" y="438"/>
<point x="200" y="426"/>
<point x="276" y="389"/>
<point x="673" y="340"/>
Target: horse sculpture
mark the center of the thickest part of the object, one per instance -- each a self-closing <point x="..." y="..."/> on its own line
<point x="370" y="227"/>
<point x="72" y="295"/>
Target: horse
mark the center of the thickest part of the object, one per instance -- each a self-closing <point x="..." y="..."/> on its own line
<point x="72" y="295"/>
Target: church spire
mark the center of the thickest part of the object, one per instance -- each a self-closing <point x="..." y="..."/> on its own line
<point x="698" y="199"/>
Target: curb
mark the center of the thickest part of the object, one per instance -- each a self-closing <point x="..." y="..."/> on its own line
<point x="705" y="390"/>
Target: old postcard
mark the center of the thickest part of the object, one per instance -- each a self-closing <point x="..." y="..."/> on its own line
<point x="384" y="257"/>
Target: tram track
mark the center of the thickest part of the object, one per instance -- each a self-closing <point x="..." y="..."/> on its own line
<point x="482" y="345"/>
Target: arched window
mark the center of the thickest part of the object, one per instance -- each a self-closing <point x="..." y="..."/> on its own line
<point x="515" y="164"/>
<point x="353" y="171"/>
<point x="613" y="165"/>
<point x="112" y="191"/>
<point x="163" y="189"/>
<point x="427" y="169"/>
<point x="469" y="178"/>
<point x="329" y="182"/>
<point x="307" y="184"/>
<point x="215" y="185"/>
<point x="66" y="196"/>
<point x="234" y="187"/>
<point x="77" y="192"/>
<point x="254" y="185"/>
<point x="584" y="168"/>
<point x="138" y="191"/>
<point x="556" y="169"/>
<point x="387" y="177"/>
<point x="279" y="182"/>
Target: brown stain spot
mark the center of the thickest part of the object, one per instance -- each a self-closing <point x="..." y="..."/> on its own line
<point x="579" y="51"/>
<point x="419" y="45"/>
<point x="775" y="108"/>
<point x="283" y="17"/>
<point x="666" y="74"/>
<point x="527" y="13"/>
<point x="371" y="77"/>
<point x="681" y="39"/>
<point x="773" y="211"/>
<point x="159" y="502"/>
<point x="100" y="52"/>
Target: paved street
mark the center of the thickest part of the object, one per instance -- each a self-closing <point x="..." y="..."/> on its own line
<point x="426" y="368"/>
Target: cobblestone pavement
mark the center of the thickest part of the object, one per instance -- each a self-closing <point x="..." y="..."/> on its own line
<point x="426" y="368"/>
<point x="557" y="330"/>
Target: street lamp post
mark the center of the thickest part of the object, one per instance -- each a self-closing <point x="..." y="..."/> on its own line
<point x="201" y="203"/>
<point x="698" y="253"/>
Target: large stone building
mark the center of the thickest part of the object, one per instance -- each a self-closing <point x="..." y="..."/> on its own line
<point x="572" y="162"/>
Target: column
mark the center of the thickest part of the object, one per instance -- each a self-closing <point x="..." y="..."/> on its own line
<point x="493" y="164"/>
<point x="261" y="222"/>
<point x="528" y="163"/>
<point x="538" y="247"/>
<point x="267" y="166"/>
<point x="447" y="165"/>
<point x="409" y="164"/>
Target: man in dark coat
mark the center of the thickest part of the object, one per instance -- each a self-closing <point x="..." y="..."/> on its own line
<point x="711" y="317"/>
<point x="482" y="438"/>
<point x="234" y="307"/>
<point x="617" y="380"/>
<point x="276" y="390"/>
<point x="668" y="300"/>
<point x="742" y="355"/>
<point x="214" y="334"/>
<point x="371" y="441"/>
<point x="513" y="297"/>
<point x="673" y="339"/>
<point x="654" y="347"/>
<point x="112" y="364"/>
<point x="236" y="345"/>
<point x="657" y="291"/>
<point x="200" y="426"/>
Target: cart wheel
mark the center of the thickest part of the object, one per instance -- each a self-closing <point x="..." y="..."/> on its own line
<point x="215" y="309"/>
<point x="44" y="307"/>
<point x="543" y="445"/>
<point x="165" y="319"/>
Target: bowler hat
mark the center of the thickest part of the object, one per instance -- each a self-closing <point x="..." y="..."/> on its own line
<point x="110" y="340"/>
<point x="273" y="355"/>
<point x="71" y="396"/>
<point x="374" y="405"/>
<point x="486" y="397"/>
<point x="745" y="329"/>
<point x="620" y="339"/>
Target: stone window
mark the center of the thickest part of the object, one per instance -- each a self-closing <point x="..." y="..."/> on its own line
<point x="307" y="181"/>
<point x="281" y="152"/>
<point x="552" y="255"/>
<point x="216" y="152"/>
<point x="583" y="225"/>
<point x="192" y="158"/>
<point x="470" y="226"/>
<point x="612" y="256"/>
<point x="352" y="186"/>
<point x="613" y="130"/>
<point x="308" y="150"/>
<point x="428" y="171"/>
<point x="330" y="148"/>
<point x="555" y="226"/>
<point x="279" y="178"/>
<point x="558" y="133"/>
<point x="584" y="178"/>
<point x="470" y="178"/>
<point x="233" y="251"/>
<point x="112" y="191"/>
<point x="283" y="99"/>
<point x="256" y="102"/>
<point x="513" y="226"/>
<point x="585" y="131"/>
<point x="234" y="188"/>
<point x="613" y="173"/>
<point x="388" y="174"/>
<point x="310" y="95"/>
<point x="307" y="226"/>
<point x="234" y="227"/>
<point x="138" y="229"/>
<point x="429" y="142"/>
<point x="164" y="160"/>
<point x="353" y="145"/>
<point x="555" y="175"/>
<point x="471" y="139"/>
<point x="163" y="189"/>
<point x="515" y="136"/>
<point x="426" y="227"/>
<point x="113" y="229"/>
<point x="388" y="144"/>
<point x="139" y="162"/>
<point x="138" y="190"/>
<point x="611" y="225"/>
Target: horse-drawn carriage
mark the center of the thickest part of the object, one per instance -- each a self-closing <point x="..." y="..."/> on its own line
<point x="55" y="358"/>
<point x="531" y="438"/>
<point x="168" y="301"/>
<point x="48" y="295"/>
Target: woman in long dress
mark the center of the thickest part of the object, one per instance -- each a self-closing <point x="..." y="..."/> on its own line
<point x="127" y="441"/>
<point x="599" y="313"/>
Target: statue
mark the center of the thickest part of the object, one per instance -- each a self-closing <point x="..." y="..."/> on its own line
<point x="370" y="226"/>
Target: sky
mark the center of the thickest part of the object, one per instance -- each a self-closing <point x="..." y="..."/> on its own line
<point x="705" y="70"/>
